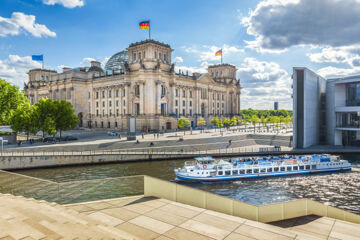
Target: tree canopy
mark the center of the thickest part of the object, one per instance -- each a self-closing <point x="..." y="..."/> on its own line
<point x="10" y="98"/>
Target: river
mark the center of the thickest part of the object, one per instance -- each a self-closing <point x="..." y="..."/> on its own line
<point x="338" y="189"/>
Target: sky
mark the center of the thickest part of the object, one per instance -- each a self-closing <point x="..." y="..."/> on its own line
<point x="263" y="39"/>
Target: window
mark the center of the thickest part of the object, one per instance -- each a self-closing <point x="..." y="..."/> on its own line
<point x="95" y="123"/>
<point x="124" y="92"/>
<point x="222" y="97"/>
<point x="269" y="170"/>
<point x="249" y="171"/>
<point x="124" y="103"/>
<point x="218" y="97"/>
<point x="220" y="173"/>
<point x="295" y="168"/>
<point x="301" y="167"/>
<point x="163" y="91"/>
<point x="97" y="104"/>
<point x="184" y="93"/>
<point x="190" y="112"/>
<point x="190" y="103"/>
<point x="104" y="104"/>
<point x="176" y="92"/>
<point x="155" y="54"/>
<point x="110" y="114"/>
<point x="163" y="109"/>
<point x="213" y="96"/>
<point x="97" y="95"/>
<point x="176" y="111"/>
<point x="89" y="95"/>
<point x="134" y="57"/>
<point x="103" y="94"/>
<point x="137" y="90"/>
<point x="97" y="112"/>
<point x="176" y="103"/>
<point x="109" y="125"/>
<point x="282" y="169"/>
<point x="117" y="103"/>
<point x="242" y="171"/>
<point x="109" y="93"/>
<point x="288" y="169"/>
<point x="116" y="124"/>
<point x="102" y="124"/>
<point x="256" y="170"/>
<point x="103" y="113"/>
<point x="183" y="103"/>
<point x="263" y="170"/>
<point x="117" y="92"/>
<point x="190" y="94"/>
<point x="184" y="112"/>
<point x="276" y="169"/>
<point x="139" y="55"/>
<point x="307" y="167"/>
<point x="227" y="172"/>
<point x="137" y="108"/>
<point x="47" y="78"/>
<point x="109" y="103"/>
<point x="117" y="112"/>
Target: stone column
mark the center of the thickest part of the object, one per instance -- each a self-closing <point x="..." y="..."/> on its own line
<point x="141" y="103"/>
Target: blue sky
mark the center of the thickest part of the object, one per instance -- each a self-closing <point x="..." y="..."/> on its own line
<point x="264" y="39"/>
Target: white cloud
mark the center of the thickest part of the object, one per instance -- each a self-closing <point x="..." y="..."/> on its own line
<point x="86" y="61"/>
<point x="346" y="54"/>
<point x="178" y="60"/>
<point x="263" y="83"/>
<point x="14" y="69"/>
<point x="65" y="3"/>
<point x="207" y="53"/>
<point x="330" y="72"/>
<point x="191" y="70"/>
<point x="279" y="24"/>
<point x="20" y="21"/>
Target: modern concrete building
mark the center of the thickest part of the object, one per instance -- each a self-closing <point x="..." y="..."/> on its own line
<point x="326" y="111"/>
<point x="140" y="82"/>
<point x="276" y="105"/>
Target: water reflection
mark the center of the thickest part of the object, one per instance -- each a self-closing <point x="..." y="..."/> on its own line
<point x="340" y="190"/>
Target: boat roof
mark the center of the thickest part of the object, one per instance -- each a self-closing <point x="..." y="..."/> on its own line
<point x="204" y="158"/>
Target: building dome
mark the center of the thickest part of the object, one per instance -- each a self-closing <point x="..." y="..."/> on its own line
<point x="117" y="61"/>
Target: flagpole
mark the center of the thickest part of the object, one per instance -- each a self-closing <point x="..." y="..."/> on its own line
<point x="221" y="57"/>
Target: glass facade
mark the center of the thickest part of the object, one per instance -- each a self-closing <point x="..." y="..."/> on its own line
<point x="347" y="120"/>
<point x="351" y="138"/>
<point x="353" y="94"/>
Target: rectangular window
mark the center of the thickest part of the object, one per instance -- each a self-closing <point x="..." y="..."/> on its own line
<point x="282" y="169"/>
<point x="249" y="171"/>
<point x="97" y="95"/>
<point x="242" y="171"/>
<point x="117" y="93"/>
<point x="117" y="112"/>
<point x="263" y="170"/>
<point x="183" y="103"/>
<point x="97" y="104"/>
<point x="103" y="94"/>
<point x="295" y="168"/>
<point x="176" y="93"/>
<point x="97" y="112"/>
<point x="137" y="108"/>
<point x="307" y="167"/>
<point x="117" y="103"/>
<point x="301" y="167"/>
<point x="256" y="170"/>
<point x="276" y="169"/>
<point x="184" y="93"/>
<point x="227" y="172"/>
<point x="89" y="95"/>
<point x="163" y="109"/>
<point x="190" y="103"/>
<point x="288" y="169"/>
<point x="176" y="103"/>
<point x="123" y="92"/>
<point x="176" y="111"/>
<point x="234" y="172"/>
<point x="184" y="112"/>
<point x="269" y="170"/>
<point x="103" y="104"/>
<point x="190" y="112"/>
<point x="110" y="93"/>
<point x="109" y="103"/>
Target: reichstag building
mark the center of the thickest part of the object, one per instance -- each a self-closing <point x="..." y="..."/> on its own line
<point x="140" y="82"/>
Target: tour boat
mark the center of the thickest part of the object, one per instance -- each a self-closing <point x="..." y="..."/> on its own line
<point x="210" y="169"/>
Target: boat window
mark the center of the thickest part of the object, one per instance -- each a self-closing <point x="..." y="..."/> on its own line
<point x="263" y="170"/>
<point x="288" y="169"/>
<point x="269" y="170"/>
<point x="249" y="171"/>
<point x="282" y="169"/>
<point x="227" y="172"/>
<point x="256" y="170"/>
<point x="220" y="173"/>
<point x="235" y="171"/>
<point x="313" y="166"/>
<point x="295" y="168"/>
<point x="242" y="171"/>
<point x="307" y="166"/>
<point x="191" y="170"/>
<point x="301" y="167"/>
<point x="276" y="169"/>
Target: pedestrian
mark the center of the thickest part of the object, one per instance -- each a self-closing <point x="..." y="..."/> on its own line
<point x="142" y="135"/>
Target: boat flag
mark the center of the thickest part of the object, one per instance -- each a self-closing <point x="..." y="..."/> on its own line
<point x="145" y="25"/>
<point x="39" y="58"/>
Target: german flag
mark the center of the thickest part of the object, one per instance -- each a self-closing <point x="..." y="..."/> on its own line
<point x="144" y="25"/>
<point x="218" y="53"/>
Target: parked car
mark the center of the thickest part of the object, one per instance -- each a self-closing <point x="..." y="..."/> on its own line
<point x="70" y="138"/>
<point x="112" y="133"/>
<point x="50" y="139"/>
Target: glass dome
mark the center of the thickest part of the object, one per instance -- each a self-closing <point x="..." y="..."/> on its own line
<point x="117" y="61"/>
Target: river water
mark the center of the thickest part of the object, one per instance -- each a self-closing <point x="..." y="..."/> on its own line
<point x="338" y="189"/>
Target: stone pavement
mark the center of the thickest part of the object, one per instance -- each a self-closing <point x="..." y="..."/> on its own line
<point x="141" y="217"/>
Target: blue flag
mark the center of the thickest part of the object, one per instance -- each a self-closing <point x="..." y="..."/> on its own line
<point x="37" y="58"/>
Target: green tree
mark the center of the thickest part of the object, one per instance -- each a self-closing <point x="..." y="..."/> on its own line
<point x="227" y="122"/>
<point x="23" y="119"/>
<point x="64" y="116"/>
<point x="201" y="122"/>
<point x="50" y="126"/>
<point x="183" y="122"/>
<point x="10" y="98"/>
<point x="254" y="120"/>
<point x="44" y="110"/>
<point x="220" y="123"/>
<point x="264" y="121"/>
<point x="214" y="121"/>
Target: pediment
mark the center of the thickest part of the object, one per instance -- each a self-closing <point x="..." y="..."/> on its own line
<point x="206" y="78"/>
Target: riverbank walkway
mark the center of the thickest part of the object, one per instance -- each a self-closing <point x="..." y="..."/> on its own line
<point x="140" y="217"/>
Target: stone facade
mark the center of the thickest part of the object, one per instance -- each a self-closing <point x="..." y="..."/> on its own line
<point x="148" y="88"/>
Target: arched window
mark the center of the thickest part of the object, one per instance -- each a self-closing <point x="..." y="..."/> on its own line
<point x="137" y="90"/>
<point x="163" y="91"/>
